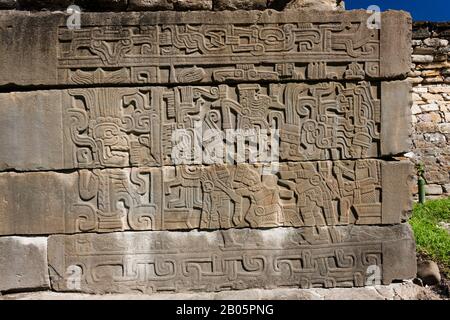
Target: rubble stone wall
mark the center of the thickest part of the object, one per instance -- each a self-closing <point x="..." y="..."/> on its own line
<point x="97" y="195"/>
<point x="430" y="75"/>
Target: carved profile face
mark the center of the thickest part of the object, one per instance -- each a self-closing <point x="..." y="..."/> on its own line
<point x="113" y="144"/>
<point x="109" y="133"/>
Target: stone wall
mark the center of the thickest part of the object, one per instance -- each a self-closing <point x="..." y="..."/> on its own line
<point x="94" y="197"/>
<point x="430" y="76"/>
<point x="181" y="5"/>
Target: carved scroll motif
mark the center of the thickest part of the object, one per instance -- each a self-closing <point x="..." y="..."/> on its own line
<point x="217" y="52"/>
<point x="115" y="200"/>
<point x="137" y="127"/>
<point x="223" y="197"/>
<point x="235" y="259"/>
<point x="113" y="127"/>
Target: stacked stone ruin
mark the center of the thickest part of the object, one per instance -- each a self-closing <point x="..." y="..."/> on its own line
<point x="92" y="199"/>
<point x="430" y="76"/>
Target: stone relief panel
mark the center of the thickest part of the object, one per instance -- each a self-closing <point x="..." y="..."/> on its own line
<point x="224" y="197"/>
<point x="188" y="53"/>
<point x="112" y="127"/>
<point x="231" y="260"/>
<point x="184" y="47"/>
<point x="106" y="127"/>
<point x="303" y="194"/>
<point x="115" y="200"/>
<point x="217" y="126"/>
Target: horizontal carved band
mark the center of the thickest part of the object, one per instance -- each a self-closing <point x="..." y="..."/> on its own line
<point x="236" y="259"/>
<point x="193" y="47"/>
<point x="213" y="197"/>
<point x="122" y="127"/>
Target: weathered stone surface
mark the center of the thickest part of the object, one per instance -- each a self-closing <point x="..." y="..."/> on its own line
<point x="166" y="47"/>
<point x="395" y="47"/>
<point x="422" y="58"/>
<point x="428" y="272"/>
<point x="315" y="4"/>
<point x="34" y="203"/>
<point x="23" y="263"/>
<point x="150" y="5"/>
<point x="149" y="262"/>
<point x="395" y="136"/>
<point x="397" y="178"/>
<point x="193" y="4"/>
<point x="68" y="129"/>
<point x="395" y="291"/>
<point x="32" y="135"/>
<point x="8" y="4"/>
<point x="214" y="197"/>
<point x="240" y="4"/>
<point x="433" y="189"/>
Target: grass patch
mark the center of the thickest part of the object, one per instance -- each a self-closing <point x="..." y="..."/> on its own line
<point x="432" y="240"/>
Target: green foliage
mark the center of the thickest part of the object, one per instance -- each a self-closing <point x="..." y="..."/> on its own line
<point x="433" y="240"/>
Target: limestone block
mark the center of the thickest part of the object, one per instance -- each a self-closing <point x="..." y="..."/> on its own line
<point x="240" y="4"/>
<point x="193" y="4"/>
<point x="444" y="128"/>
<point x="122" y="127"/>
<point x="430" y="107"/>
<point x="422" y="58"/>
<point x="397" y="178"/>
<point x="363" y="192"/>
<point x="429" y="272"/>
<point x="423" y="51"/>
<point x="396" y="43"/>
<point x="31" y="131"/>
<point x="150" y="262"/>
<point x="429" y="97"/>
<point x="433" y="42"/>
<point x="439" y="89"/>
<point x="150" y="5"/>
<point x="416" y="80"/>
<point x="164" y="47"/>
<point x="23" y="263"/>
<point x="34" y="203"/>
<point x="420" y="89"/>
<point x="433" y="189"/>
<point x="313" y="4"/>
<point x="396" y="114"/>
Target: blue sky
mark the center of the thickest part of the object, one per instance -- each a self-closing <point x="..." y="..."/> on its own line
<point x="421" y="10"/>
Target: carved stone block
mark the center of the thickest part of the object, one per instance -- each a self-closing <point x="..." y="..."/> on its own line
<point x="314" y="4"/>
<point x="151" y="262"/>
<point x="363" y="192"/>
<point x="193" y="4"/>
<point x="240" y="4"/>
<point x="181" y="48"/>
<point x="23" y="264"/>
<point x="122" y="127"/>
<point x="150" y="5"/>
